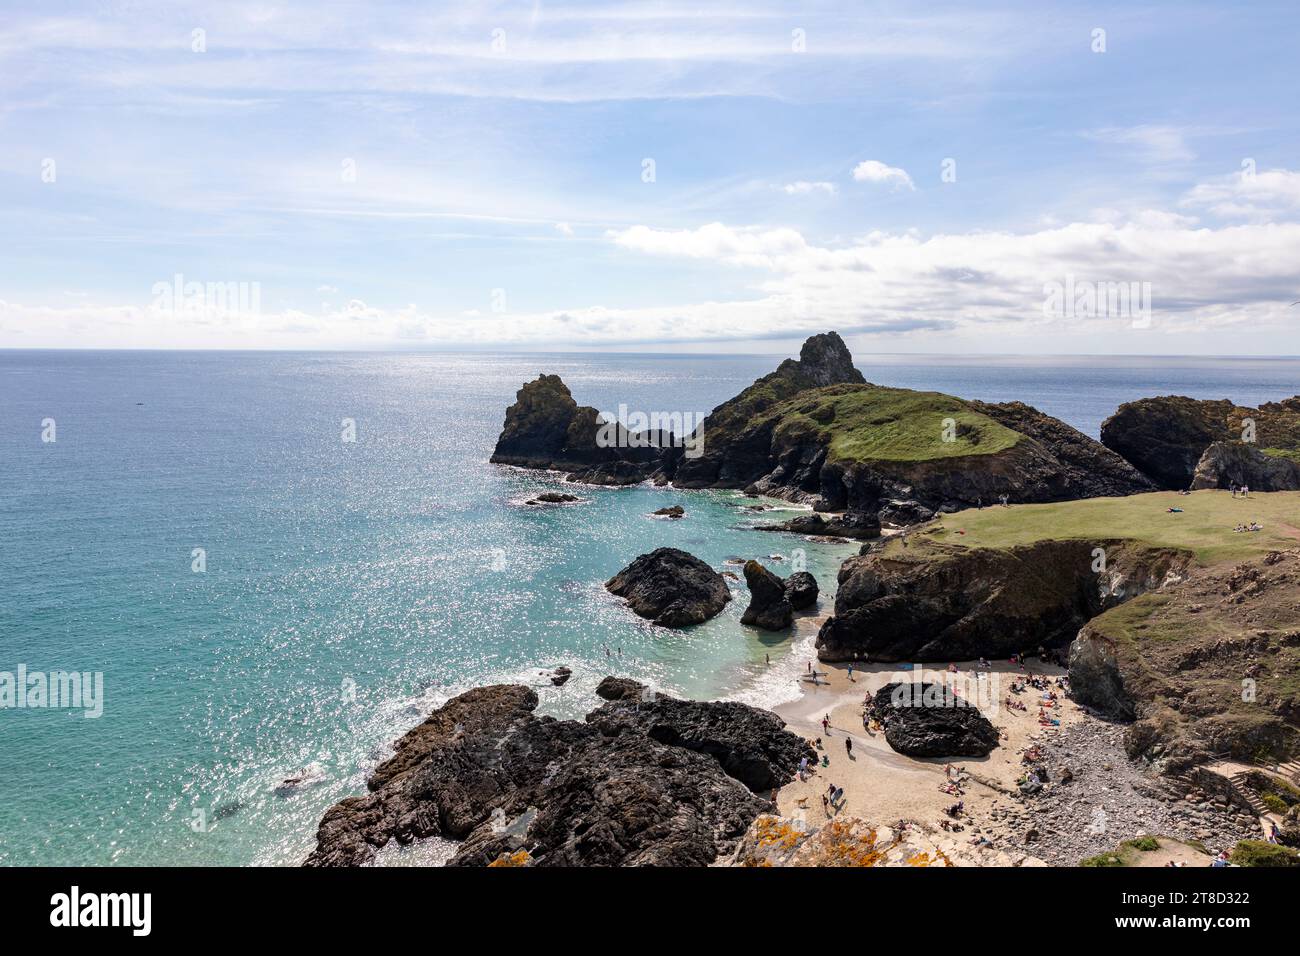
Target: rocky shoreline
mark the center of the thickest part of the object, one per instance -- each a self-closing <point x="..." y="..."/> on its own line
<point x="1160" y="630"/>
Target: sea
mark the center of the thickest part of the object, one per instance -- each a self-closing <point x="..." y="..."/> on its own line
<point x="279" y="562"/>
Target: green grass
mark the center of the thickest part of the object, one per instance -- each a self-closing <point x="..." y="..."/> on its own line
<point x="1259" y="853"/>
<point x="1204" y="527"/>
<point x="1145" y="844"/>
<point x="870" y="423"/>
<point x="1129" y="853"/>
<point x="1289" y="453"/>
<point x="1274" y="802"/>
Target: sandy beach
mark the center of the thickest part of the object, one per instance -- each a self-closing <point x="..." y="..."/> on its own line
<point x="884" y="787"/>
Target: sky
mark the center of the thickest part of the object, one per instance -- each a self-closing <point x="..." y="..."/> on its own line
<point x="1038" y="178"/>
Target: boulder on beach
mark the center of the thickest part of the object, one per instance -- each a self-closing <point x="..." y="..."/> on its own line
<point x="671" y="588"/>
<point x="801" y="590"/>
<point x="929" y="720"/>
<point x="768" y="606"/>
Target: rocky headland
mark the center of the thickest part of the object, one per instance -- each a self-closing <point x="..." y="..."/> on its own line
<point x="1181" y="442"/>
<point x="646" y="779"/>
<point x="1172" y="622"/>
<point x="815" y="431"/>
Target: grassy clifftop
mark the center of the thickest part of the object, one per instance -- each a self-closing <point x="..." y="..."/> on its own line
<point x="873" y="423"/>
<point x="1204" y="526"/>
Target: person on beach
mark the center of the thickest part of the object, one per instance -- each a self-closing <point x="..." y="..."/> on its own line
<point x="850" y="672"/>
<point x="848" y="745"/>
<point x="826" y="724"/>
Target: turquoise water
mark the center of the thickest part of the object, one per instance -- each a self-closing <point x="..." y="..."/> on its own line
<point x="352" y="586"/>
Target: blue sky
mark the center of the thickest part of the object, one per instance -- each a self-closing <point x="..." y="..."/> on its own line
<point x="499" y="197"/>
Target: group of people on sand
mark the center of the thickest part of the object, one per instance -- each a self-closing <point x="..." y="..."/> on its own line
<point x="1253" y="526"/>
<point x="1242" y="490"/>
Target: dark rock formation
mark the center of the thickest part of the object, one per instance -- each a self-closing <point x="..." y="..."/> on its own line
<point x="801" y="590"/>
<point x="560" y="676"/>
<point x="853" y="524"/>
<point x="902" y="513"/>
<point x="768" y="606"/>
<point x="673" y="511"/>
<point x="1095" y="679"/>
<point x="733" y="459"/>
<point x="1080" y="467"/>
<point x="546" y="428"/>
<point x="749" y="744"/>
<point x="640" y="783"/>
<point x="620" y="688"/>
<point x="553" y="498"/>
<point x="1232" y="464"/>
<point x="1167" y="437"/>
<point x="671" y="588"/>
<point x="967" y="603"/>
<point x="929" y="720"/>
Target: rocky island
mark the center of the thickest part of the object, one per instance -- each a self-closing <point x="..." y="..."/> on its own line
<point x="815" y="431"/>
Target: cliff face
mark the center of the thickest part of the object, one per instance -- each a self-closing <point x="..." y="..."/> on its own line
<point x="1168" y="438"/>
<point x="960" y="604"/>
<point x="1209" y="665"/>
<point x="645" y="780"/>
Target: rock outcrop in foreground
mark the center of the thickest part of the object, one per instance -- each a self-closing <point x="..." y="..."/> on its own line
<point x="1182" y="442"/>
<point x="929" y="720"/>
<point x="645" y="780"/>
<point x="671" y="588"/>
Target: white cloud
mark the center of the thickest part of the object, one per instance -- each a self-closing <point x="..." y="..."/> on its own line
<point x="564" y="229"/>
<point x="874" y="171"/>
<point x="1249" y="195"/>
<point x="987" y="287"/>
<point x="803" y="188"/>
<point x="743" y="247"/>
